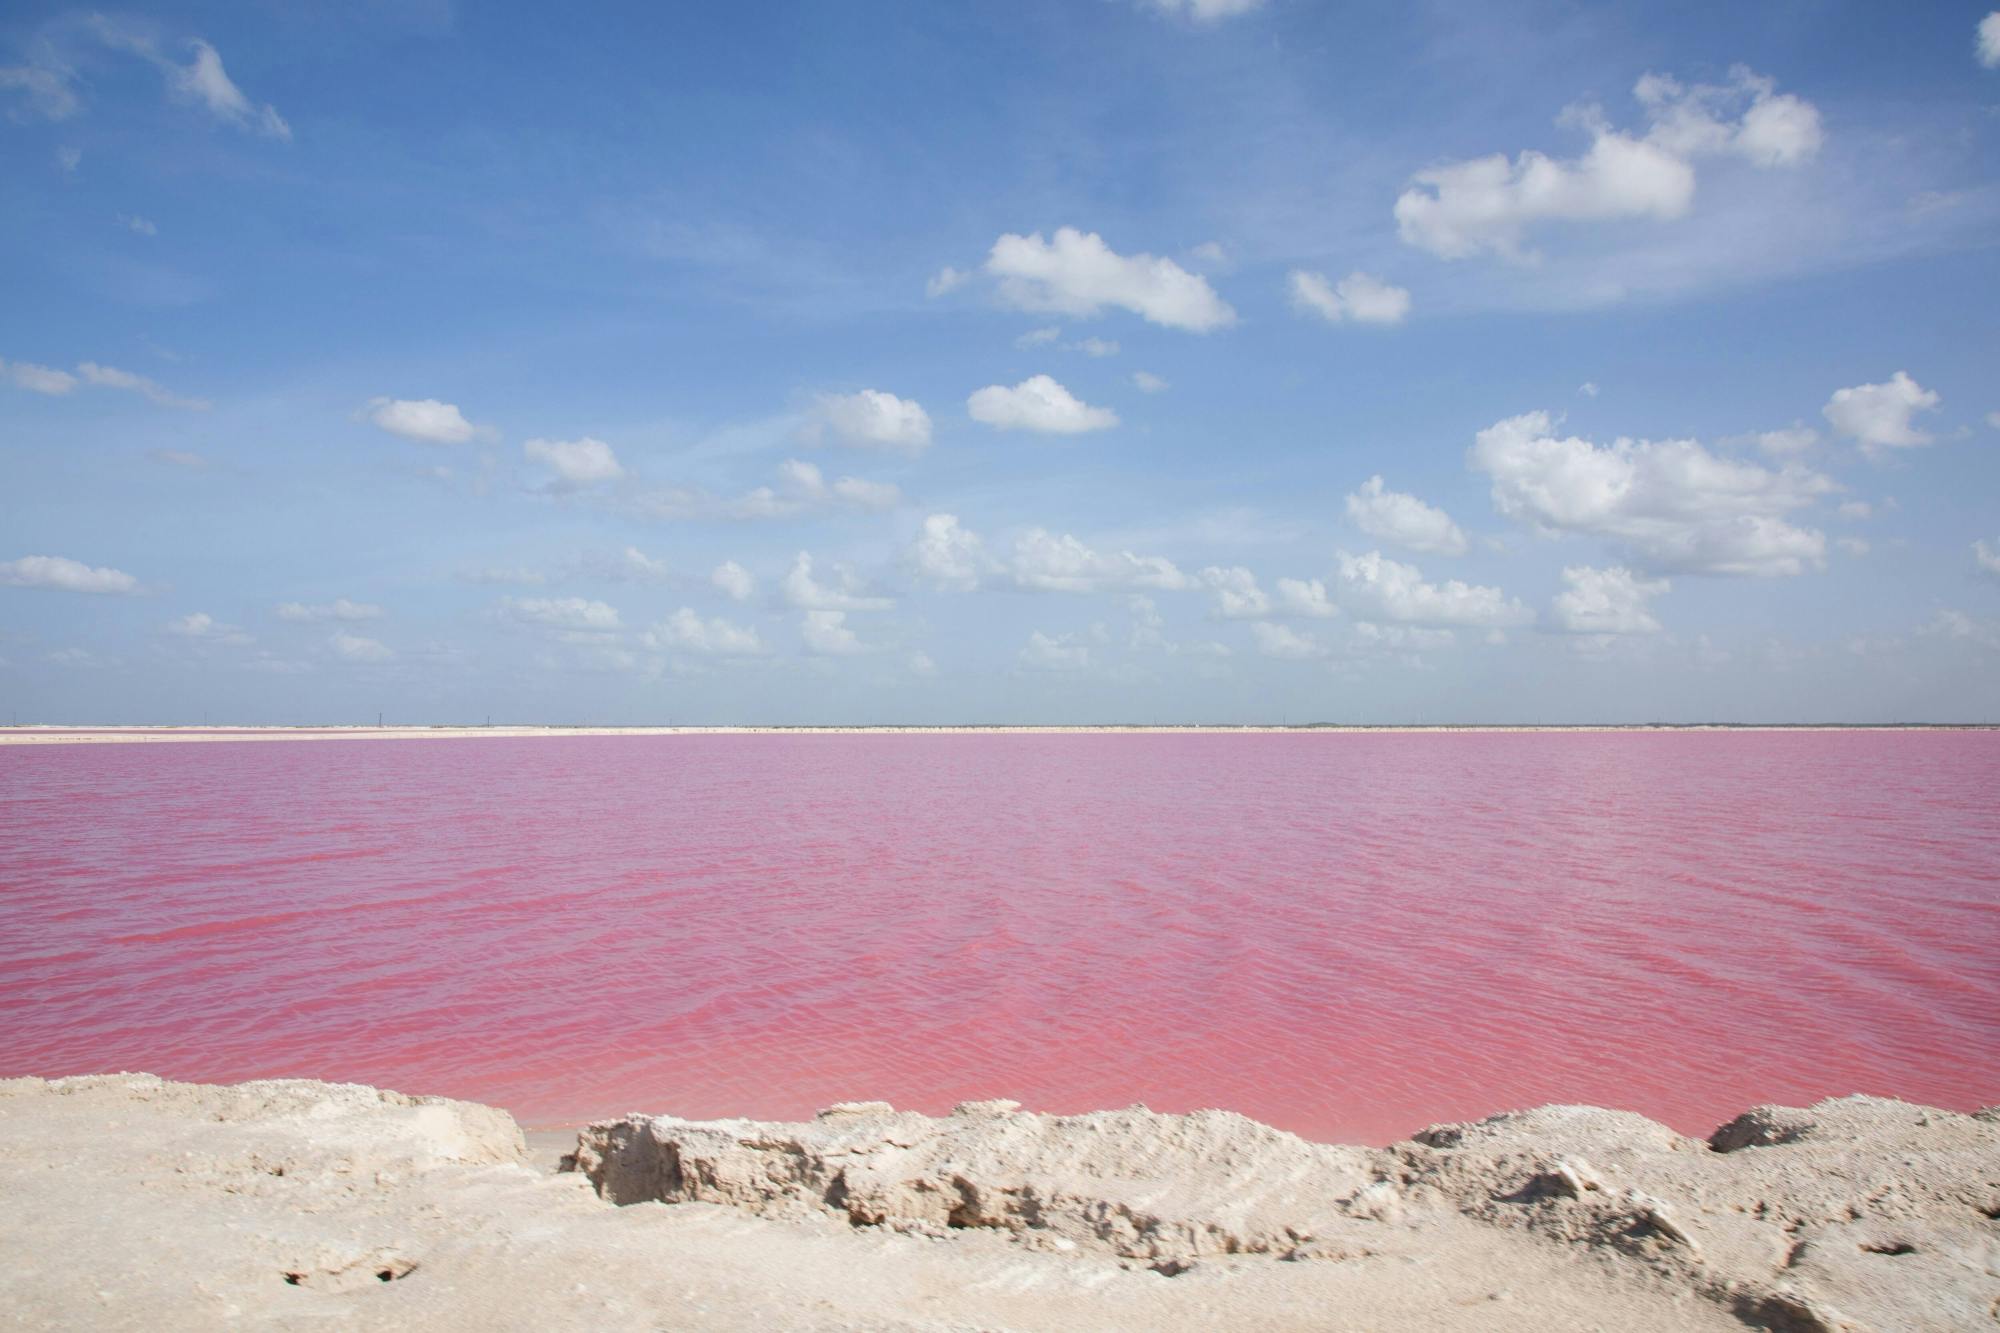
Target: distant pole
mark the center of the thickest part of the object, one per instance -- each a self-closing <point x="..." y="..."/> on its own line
<point x="378" y="721"/>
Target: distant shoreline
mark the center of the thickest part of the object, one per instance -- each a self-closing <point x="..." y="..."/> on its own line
<point x="115" y="735"/>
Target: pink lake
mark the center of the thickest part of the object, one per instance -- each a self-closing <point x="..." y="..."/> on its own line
<point x="1347" y="935"/>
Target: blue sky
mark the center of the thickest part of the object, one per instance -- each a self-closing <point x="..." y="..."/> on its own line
<point x="1071" y="361"/>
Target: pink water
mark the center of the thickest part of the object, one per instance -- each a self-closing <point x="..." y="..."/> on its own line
<point x="1347" y="935"/>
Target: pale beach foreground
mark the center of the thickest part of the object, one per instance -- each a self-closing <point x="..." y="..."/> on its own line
<point x="138" y="1203"/>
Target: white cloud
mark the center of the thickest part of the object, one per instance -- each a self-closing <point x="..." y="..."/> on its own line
<point x="201" y="625"/>
<point x="1148" y="382"/>
<point x="946" y="279"/>
<point x="355" y="648"/>
<point x="736" y="582"/>
<point x="1792" y="442"/>
<point x="138" y="225"/>
<point x="1855" y="509"/>
<point x="581" y="462"/>
<point x="47" y="90"/>
<point x="1952" y="624"/>
<point x="1058" y="652"/>
<point x="803" y="485"/>
<point x="1078" y="274"/>
<point x="1305" y="597"/>
<point x="1037" y="337"/>
<point x="424" y="419"/>
<point x="1987" y="558"/>
<point x="203" y="80"/>
<point x="807" y="593"/>
<point x="1284" y="642"/>
<point x="1237" y="596"/>
<point x="922" y="665"/>
<point x="110" y="377"/>
<point x="1404" y="520"/>
<point x="1606" y="601"/>
<point x="1490" y="203"/>
<point x="826" y="633"/>
<point x="39" y="379"/>
<point x="1854" y="546"/>
<point x="340" y="608"/>
<point x="1054" y="563"/>
<point x="565" y="613"/>
<point x="1204" y="11"/>
<point x="1094" y="347"/>
<point x="1987" y="42"/>
<point x="1359" y="296"/>
<point x="1375" y="587"/>
<point x="1672" y="503"/>
<point x="60" y="574"/>
<point x="684" y="631"/>
<point x="1371" y="637"/>
<point x="949" y="554"/>
<point x="1037" y="404"/>
<point x="1878" y="416"/>
<point x="1588" y="389"/>
<point x="874" y="419"/>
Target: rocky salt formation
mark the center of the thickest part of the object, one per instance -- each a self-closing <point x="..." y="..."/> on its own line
<point x="132" y="1202"/>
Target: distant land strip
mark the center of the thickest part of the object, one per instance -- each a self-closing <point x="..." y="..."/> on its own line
<point x="108" y="735"/>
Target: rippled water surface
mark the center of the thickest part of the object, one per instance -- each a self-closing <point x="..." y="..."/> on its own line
<point x="1347" y="935"/>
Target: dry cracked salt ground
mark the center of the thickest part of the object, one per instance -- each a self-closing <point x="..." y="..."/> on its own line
<point x="132" y="1202"/>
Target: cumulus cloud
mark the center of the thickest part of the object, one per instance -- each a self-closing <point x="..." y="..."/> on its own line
<point x="583" y="462"/>
<point x="1282" y="641"/>
<point x="424" y="419"/>
<point x="351" y="647"/>
<point x="801" y="589"/>
<point x="38" y="379"/>
<point x="948" y="553"/>
<point x="1986" y="40"/>
<point x="1954" y="624"/>
<point x="1306" y="597"/>
<point x="61" y="574"/>
<point x="1361" y="297"/>
<point x="1987" y="558"/>
<point x="1404" y="520"/>
<point x="1606" y="601"/>
<point x="1672" y="504"/>
<point x="874" y="419"/>
<point x="1037" y="404"/>
<point x="1878" y="416"/>
<point x="1237" y="596"/>
<point x="1204" y="11"/>
<point x="735" y="582"/>
<point x="1793" y="441"/>
<point x="684" y="631"/>
<point x="203" y="626"/>
<point x="1491" y="203"/>
<point x="1147" y="382"/>
<point x="340" y="608"/>
<point x="563" y="613"/>
<point x="1051" y="563"/>
<point x="946" y="279"/>
<point x="1055" y="652"/>
<point x="921" y="665"/>
<point x="1078" y="274"/>
<point x="1377" y="588"/>
<point x="110" y="377"/>
<point x="826" y="633"/>
<point x="803" y="486"/>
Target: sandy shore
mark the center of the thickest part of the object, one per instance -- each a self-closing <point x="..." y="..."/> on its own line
<point x="143" y="1204"/>
<point x="52" y="735"/>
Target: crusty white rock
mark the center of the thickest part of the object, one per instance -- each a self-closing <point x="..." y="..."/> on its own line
<point x="135" y="1203"/>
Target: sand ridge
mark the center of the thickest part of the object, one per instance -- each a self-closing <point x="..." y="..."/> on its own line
<point x="139" y="1203"/>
